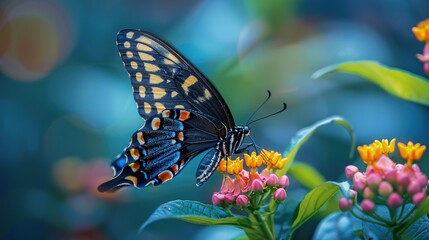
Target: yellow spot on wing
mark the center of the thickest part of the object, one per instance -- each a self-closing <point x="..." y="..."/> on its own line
<point x="142" y="91"/>
<point x="127" y="44"/>
<point x="144" y="39"/>
<point x="191" y="80"/>
<point x="142" y="47"/>
<point x="173" y="93"/>
<point x="158" y="92"/>
<point x="207" y="94"/>
<point x="150" y="67"/>
<point x="130" y="34"/>
<point x="159" y="107"/>
<point x="139" y="76"/>
<point x="155" y="79"/>
<point x="129" y="54"/>
<point x="134" y="166"/>
<point x="147" y="108"/>
<point x="135" y="153"/>
<point x="140" y="138"/>
<point x="132" y="179"/>
<point x="179" y="106"/>
<point x="146" y="57"/>
<point x="167" y="61"/>
<point x="133" y="65"/>
<point x="172" y="58"/>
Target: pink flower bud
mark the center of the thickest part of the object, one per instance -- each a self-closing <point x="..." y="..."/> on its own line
<point x="350" y="171"/>
<point x="385" y="189"/>
<point x="284" y="181"/>
<point x="242" y="200"/>
<point x="368" y="193"/>
<point x="352" y="193"/>
<point x="229" y="198"/>
<point x="403" y="178"/>
<point x="394" y="200"/>
<point x="344" y="204"/>
<point x="257" y="185"/>
<point x="367" y="206"/>
<point x="419" y="198"/>
<point x="373" y="180"/>
<point x="423" y="180"/>
<point x="413" y="187"/>
<point x="272" y="180"/>
<point x="217" y="198"/>
<point x="359" y="181"/>
<point x="416" y="168"/>
<point x="280" y="194"/>
<point x="391" y="176"/>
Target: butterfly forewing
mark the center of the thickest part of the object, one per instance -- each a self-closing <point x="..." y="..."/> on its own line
<point x="163" y="79"/>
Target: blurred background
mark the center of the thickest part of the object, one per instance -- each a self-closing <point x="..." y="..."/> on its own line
<point x="66" y="108"/>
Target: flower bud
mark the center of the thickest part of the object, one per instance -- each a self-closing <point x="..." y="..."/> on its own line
<point x="359" y="181"/>
<point x="385" y="189"/>
<point x="413" y="187"/>
<point x="229" y="198"/>
<point x="367" y="206"/>
<point x="368" y="193"/>
<point x="373" y="180"/>
<point x="352" y="193"/>
<point x="257" y="185"/>
<point x="344" y="204"/>
<point x="284" y="181"/>
<point x="272" y="180"/>
<point x="423" y="180"/>
<point x="280" y="194"/>
<point x="394" y="200"/>
<point x="391" y="176"/>
<point x="351" y="170"/>
<point x="419" y="198"/>
<point x="242" y="200"/>
<point x="217" y="198"/>
<point x="403" y="178"/>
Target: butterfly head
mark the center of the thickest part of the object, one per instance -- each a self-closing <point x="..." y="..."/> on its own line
<point x="246" y="131"/>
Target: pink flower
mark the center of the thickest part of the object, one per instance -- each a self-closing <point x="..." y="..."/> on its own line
<point x="368" y="193"/>
<point x="284" y="181"/>
<point x="352" y="193"/>
<point x="384" y="164"/>
<point x="280" y="194"/>
<point x="403" y="178"/>
<point x="242" y="200"/>
<point x="350" y="171"/>
<point x="367" y="206"/>
<point x="359" y="181"/>
<point x="385" y="189"/>
<point x="257" y="185"/>
<point x="229" y="198"/>
<point x="419" y="198"/>
<point x="413" y="187"/>
<point x="394" y="200"/>
<point x="217" y="198"/>
<point x="344" y="204"/>
<point x="373" y="180"/>
<point x="423" y="180"/>
<point x="272" y="180"/>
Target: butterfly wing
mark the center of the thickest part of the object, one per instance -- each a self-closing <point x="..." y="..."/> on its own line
<point x="164" y="79"/>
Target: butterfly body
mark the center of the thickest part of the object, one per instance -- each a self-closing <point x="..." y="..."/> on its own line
<point x="184" y="116"/>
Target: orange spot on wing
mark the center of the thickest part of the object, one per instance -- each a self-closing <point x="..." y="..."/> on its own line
<point x="134" y="166"/>
<point x="184" y="115"/>
<point x="140" y="138"/>
<point x="135" y="153"/>
<point x="166" y="113"/>
<point x="180" y="136"/>
<point x="132" y="179"/>
<point x="165" y="176"/>
<point x="156" y="123"/>
<point x="175" y="168"/>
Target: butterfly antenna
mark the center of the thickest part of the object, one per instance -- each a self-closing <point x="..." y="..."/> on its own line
<point x="260" y="106"/>
<point x="272" y="114"/>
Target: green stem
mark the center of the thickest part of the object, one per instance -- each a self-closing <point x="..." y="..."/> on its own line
<point x="264" y="224"/>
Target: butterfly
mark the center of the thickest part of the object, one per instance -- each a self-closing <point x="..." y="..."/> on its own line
<point x="184" y="116"/>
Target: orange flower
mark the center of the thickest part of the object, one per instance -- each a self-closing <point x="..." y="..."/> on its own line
<point x="421" y="31"/>
<point x="411" y="151"/>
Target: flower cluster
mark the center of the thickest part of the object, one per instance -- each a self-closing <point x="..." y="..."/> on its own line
<point x="421" y="31"/>
<point x="384" y="181"/>
<point x="249" y="189"/>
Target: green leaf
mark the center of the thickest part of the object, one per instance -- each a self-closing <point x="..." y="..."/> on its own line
<point x="312" y="202"/>
<point x="198" y="213"/>
<point x="304" y="134"/>
<point x="395" y="81"/>
<point x="306" y="174"/>
<point x="421" y="211"/>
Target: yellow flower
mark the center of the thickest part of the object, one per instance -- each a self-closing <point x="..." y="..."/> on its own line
<point x="385" y="146"/>
<point x="253" y="161"/>
<point x="370" y="153"/>
<point x="411" y="151"/>
<point x="273" y="159"/>
<point x="421" y="31"/>
<point x="233" y="166"/>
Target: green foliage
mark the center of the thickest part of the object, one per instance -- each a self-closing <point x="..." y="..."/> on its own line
<point x="306" y="174"/>
<point x="397" y="82"/>
<point x="337" y="226"/>
<point x="421" y="211"/>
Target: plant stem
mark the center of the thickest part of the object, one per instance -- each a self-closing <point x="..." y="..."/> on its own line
<point x="264" y="225"/>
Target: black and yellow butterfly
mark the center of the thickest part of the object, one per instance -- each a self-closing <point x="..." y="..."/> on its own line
<point x="184" y="115"/>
